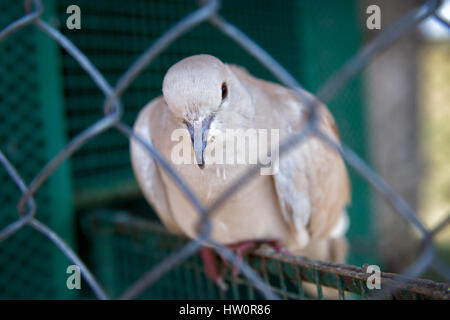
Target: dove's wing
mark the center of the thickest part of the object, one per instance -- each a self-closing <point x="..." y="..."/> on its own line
<point x="313" y="186"/>
<point x="146" y="171"/>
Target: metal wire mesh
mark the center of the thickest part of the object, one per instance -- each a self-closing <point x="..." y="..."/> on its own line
<point x="115" y="235"/>
<point x="209" y="11"/>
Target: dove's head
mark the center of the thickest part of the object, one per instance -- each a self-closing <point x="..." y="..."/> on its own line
<point x="199" y="91"/>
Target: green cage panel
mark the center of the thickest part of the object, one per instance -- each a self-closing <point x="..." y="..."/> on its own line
<point x="32" y="131"/>
<point x="140" y="245"/>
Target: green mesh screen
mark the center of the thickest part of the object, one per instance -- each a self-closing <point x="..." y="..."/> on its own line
<point x="118" y="236"/>
<point x="30" y="265"/>
<point x="140" y="245"/>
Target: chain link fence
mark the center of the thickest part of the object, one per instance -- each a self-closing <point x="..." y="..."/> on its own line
<point x="209" y="11"/>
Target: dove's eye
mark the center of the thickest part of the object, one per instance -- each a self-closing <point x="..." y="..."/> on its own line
<point x="224" y="90"/>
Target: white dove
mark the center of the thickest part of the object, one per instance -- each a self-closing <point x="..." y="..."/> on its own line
<point x="300" y="207"/>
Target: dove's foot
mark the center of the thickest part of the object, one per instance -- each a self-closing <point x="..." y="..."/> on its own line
<point x="279" y="248"/>
<point x="242" y="247"/>
<point x="211" y="268"/>
<point x="239" y="250"/>
<point x="210" y="262"/>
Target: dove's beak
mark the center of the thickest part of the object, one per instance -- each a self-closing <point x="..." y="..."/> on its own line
<point x="199" y="136"/>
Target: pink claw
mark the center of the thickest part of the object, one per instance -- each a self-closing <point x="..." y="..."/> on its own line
<point x="240" y="249"/>
<point x="279" y="248"/>
<point x="210" y="266"/>
<point x="210" y="261"/>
